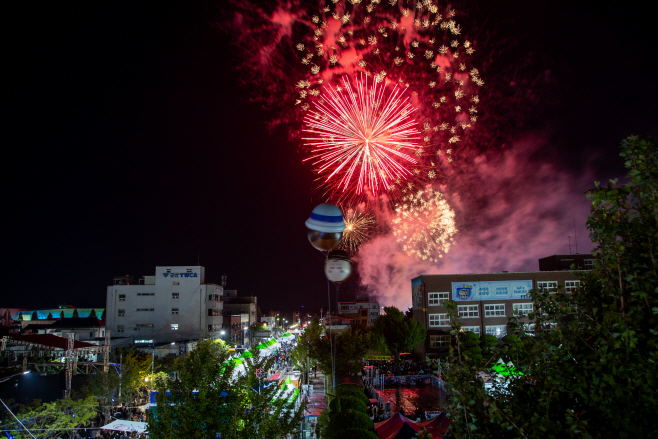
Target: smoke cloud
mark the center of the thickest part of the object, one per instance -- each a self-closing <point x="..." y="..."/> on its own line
<point x="511" y="210"/>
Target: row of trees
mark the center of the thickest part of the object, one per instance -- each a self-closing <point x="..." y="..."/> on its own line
<point x="210" y="400"/>
<point x="590" y="364"/>
<point x="392" y="334"/>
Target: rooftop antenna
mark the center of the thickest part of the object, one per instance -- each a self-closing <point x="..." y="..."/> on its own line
<point x="574" y="235"/>
<point x="569" y="244"/>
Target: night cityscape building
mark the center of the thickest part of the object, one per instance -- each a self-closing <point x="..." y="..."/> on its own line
<point x="174" y="305"/>
<point x="485" y="300"/>
<point x="363" y="310"/>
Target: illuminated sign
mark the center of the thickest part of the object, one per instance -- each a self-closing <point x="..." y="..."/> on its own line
<point x="144" y="341"/>
<point x="491" y="290"/>
<point x="180" y="274"/>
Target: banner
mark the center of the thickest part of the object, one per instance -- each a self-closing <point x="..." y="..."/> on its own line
<point x="417" y="293"/>
<point x="491" y="290"/>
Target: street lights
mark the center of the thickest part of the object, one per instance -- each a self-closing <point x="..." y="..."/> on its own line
<point x="11" y="376"/>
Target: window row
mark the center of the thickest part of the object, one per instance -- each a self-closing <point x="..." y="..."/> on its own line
<point x="437" y="298"/>
<point x="473" y="311"/>
<point x="122" y="297"/>
<point x="434" y="299"/>
<point x="121" y="328"/>
<point x="122" y="312"/>
<point x="441" y="341"/>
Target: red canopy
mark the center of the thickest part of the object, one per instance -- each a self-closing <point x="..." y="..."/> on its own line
<point x="389" y="428"/>
<point x="438" y="426"/>
<point x="275" y="377"/>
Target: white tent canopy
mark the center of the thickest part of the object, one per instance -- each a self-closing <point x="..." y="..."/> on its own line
<point x="120" y="425"/>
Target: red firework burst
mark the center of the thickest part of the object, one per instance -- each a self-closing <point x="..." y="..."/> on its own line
<point x="359" y="137"/>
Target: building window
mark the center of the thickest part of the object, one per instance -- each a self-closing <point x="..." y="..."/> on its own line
<point x="213" y="313"/>
<point x="439" y="320"/>
<point x="168" y="270"/>
<point x="570" y="285"/>
<point x="175" y="282"/>
<point x="437" y="298"/>
<point x="522" y="308"/>
<point x="175" y="295"/>
<point x="468" y="311"/>
<point x="174" y="326"/>
<point x="550" y="285"/>
<point x="119" y="328"/>
<point x="122" y="297"/>
<point x="475" y="329"/>
<point x="144" y="309"/>
<point x="189" y="270"/>
<point x="145" y="325"/>
<point x="174" y="310"/>
<point x="439" y="341"/>
<point x="91" y="335"/>
<point x="496" y="331"/>
<point x="121" y="312"/>
<point x="588" y="264"/>
<point x="495" y="310"/>
<point x="146" y="294"/>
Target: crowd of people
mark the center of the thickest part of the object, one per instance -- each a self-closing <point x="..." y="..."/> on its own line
<point x="407" y="367"/>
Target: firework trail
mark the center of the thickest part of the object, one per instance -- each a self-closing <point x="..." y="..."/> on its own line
<point x="360" y="140"/>
<point x="418" y="46"/>
<point x="358" y="225"/>
<point x="424" y="225"/>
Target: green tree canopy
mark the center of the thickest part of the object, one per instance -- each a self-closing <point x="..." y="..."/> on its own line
<point x="92" y="313"/>
<point x="59" y="418"/>
<point x="349" y="347"/>
<point x="75" y="313"/>
<point x="35" y="316"/>
<point x="398" y="332"/>
<point x="233" y="405"/>
<point x="590" y="364"/>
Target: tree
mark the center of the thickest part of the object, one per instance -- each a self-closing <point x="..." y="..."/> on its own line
<point x="227" y="403"/>
<point x="59" y="418"/>
<point x="125" y="379"/>
<point x="75" y="313"/>
<point x="20" y="316"/>
<point x="399" y="333"/>
<point x="61" y="314"/>
<point x="50" y="316"/>
<point x="35" y="316"/>
<point x="348" y="347"/>
<point x="590" y="364"/>
<point x="347" y="415"/>
<point x="103" y="316"/>
<point x="92" y="313"/>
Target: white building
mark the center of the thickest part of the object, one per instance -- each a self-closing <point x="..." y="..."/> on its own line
<point x="174" y="305"/>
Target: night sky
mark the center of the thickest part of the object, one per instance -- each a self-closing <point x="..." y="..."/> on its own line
<point x="132" y="143"/>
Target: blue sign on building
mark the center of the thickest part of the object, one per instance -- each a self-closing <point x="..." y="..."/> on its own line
<point x="491" y="290"/>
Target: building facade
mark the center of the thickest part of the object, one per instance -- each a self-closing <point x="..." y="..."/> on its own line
<point x="174" y="305"/>
<point x="484" y="302"/>
<point x="365" y="312"/>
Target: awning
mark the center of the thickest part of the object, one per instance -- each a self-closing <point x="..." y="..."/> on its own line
<point x="120" y="425"/>
<point x="275" y="377"/>
<point x="313" y="413"/>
